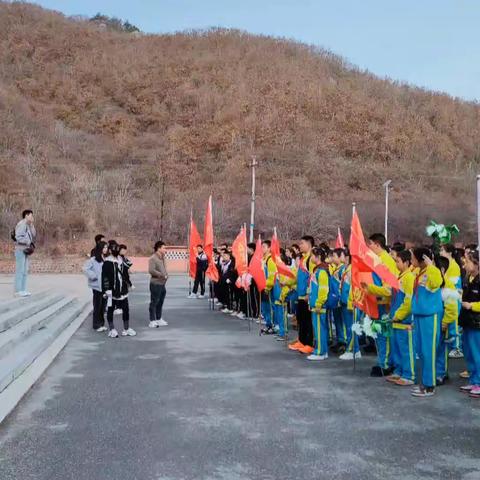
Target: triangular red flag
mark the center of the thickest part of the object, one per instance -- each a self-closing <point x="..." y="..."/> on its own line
<point x="339" y="242"/>
<point x="255" y="269"/>
<point x="275" y="250"/>
<point x="212" y="272"/>
<point x="194" y="241"/>
<point x="239" y="251"/>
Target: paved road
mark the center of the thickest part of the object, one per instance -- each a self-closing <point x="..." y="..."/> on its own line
<point x="207" y="399"/>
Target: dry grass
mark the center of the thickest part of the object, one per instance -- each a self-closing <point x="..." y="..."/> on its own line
<point x="93" y="122"/>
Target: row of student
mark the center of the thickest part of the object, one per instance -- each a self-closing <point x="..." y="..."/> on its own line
<point x="108" y="274"/>
<point x="427" y="315"/>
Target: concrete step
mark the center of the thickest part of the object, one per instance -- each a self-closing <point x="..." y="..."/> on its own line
<point x="25" y="308"/>
<point x="15" y="362"/>
<point x="16" y="302"/>
<point x="17" y="333"/>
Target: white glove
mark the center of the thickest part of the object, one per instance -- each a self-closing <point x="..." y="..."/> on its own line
<point x="228" y="281"/>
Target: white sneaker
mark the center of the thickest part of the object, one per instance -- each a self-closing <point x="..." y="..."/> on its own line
<point x="129" y="333"/>
<point x="241" y="315"/>
<point x="201" y="296"/>
<point x="22" y="294"/>
<point x="192" y="295"/>
<point x="113" y="333"/>
<point x="234" y="313"/>
<point x="162" y="323"/>
<point x="118" y="311"/>
<point x="349" y="356"/>
<point x="316" y="358"/>
<point x="276" y="328"/>
<point x="455" y="354"/>
<point x="28" y="294"/>
<point x="101" y="329"/>
<point x="225" y="310"/>
<point x="153" y="324"/>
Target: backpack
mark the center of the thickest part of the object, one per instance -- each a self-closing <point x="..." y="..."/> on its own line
<point x="333" y="298"/>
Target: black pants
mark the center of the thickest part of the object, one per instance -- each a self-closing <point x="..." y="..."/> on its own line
<point x="304" y="321"/>
<point x="254" y="300"/>
<point x="157" y="297"/>
<point x="98" y="309"/>
<point x="123" y="305"/>
<point x="199" y="281"/>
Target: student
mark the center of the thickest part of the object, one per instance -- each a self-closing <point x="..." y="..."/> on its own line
<point x="270" y="270"/>
<point x="98" y="238"/>
<point x="93" y="271"/>
<point x="454" y="276"/>
<point x="383" y="292"/>
<point x="304" y="344"/>
<point x="397" y="247"/>
<point x="318" y="295"/>
<point x="115" y="284"/>
<point x="337" y="267"/>
<point x="450" y="299"/>
<point x="346" y="304"/>
<point x="202" y="265"/>
<point x="227" y="281"/>
<point x="157" y="267"/>
<point x="427" y="310"/>
<point x="402" y="342"/>
<point x="470" y="322"/>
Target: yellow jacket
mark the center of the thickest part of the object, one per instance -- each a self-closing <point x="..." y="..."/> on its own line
<point x="450" y="301"/>
<point x="407" y="281"/>
<point x="270" y="270"/>
<point x="383" y="290"/>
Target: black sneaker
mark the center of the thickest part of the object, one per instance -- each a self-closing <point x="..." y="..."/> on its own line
<point x="376" y="371"/>
<point x="341" y="348"/>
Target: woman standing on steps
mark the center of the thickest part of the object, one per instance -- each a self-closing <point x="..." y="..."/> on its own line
<point x="93" y="271"/>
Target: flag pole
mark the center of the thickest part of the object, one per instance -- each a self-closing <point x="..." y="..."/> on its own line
<point x="354" y="207"/>
<point x="188" y="248"/>
<point x="478" y="212"/>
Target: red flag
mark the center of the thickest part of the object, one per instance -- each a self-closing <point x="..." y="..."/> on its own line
<point x="255" y="269"/>
<point x="364" y="262"/>
<point x="212" y="272"/>
<point x="275" y="250"/>
<point x="339" y="242"/>
<point x="239" y="251"/>
<point x="366" y="259"/>
<point x="195" y="240"/>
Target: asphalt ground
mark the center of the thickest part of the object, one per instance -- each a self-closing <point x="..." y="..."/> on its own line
<point x="207" y="398"/>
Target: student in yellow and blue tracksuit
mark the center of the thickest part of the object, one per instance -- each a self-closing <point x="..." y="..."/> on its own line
<point x="304" y="344"/>
<point x="270" y="270"/>
<point x="383" y="292"/>
<point x="318" y="296"/>
<point x="403" y="349"/>
<point x="450" y="299"/>
<point x="470" y="323"/>
<point x="454" y="276"/>
<point x="427" y="310"/>
<point x="337" y="266"/>
<point x="346" y="304"/>
<point x="281" y="288"/>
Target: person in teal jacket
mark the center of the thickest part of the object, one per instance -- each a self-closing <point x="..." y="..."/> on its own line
<point x="427" y="310"/>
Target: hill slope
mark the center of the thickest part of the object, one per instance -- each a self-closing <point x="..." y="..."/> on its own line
<point x="97" y="127"/>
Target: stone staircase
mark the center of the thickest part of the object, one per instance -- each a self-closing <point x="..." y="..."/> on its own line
<point x="33" y="331"/>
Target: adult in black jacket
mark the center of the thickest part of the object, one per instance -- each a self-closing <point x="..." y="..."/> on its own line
<point x="115" y="284"/>
<point x="202" y="265"/>
<point x="469" y="320"/>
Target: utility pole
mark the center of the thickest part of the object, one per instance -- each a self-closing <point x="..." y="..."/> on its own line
<point x="478" y="212"/>
<point x="252" y="204"/>
<point x="387" y="188"/>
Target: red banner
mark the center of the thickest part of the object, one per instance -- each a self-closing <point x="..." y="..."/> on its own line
<point x="275" y="250"/>
<point x="212" y="272"/>
<point x="255" y="269"/>
<point x="194" y="241"/>
<point x="239" y="251"/>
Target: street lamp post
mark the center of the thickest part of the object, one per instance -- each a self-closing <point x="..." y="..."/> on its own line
<point x="252" y="202"/>
<point x="386" y="185"/>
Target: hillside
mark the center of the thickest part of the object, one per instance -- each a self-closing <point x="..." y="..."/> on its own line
<point x="96" y="127"/>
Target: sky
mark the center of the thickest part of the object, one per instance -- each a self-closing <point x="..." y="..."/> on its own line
<point x="429" y="43"/>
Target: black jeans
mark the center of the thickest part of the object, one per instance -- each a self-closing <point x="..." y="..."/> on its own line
<point x="199" y="281"/>
<point x="157" y="297"/>
<point x="98" y="309"/>
<point x="304" y="321"/>
<point x="123" y="305"/>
